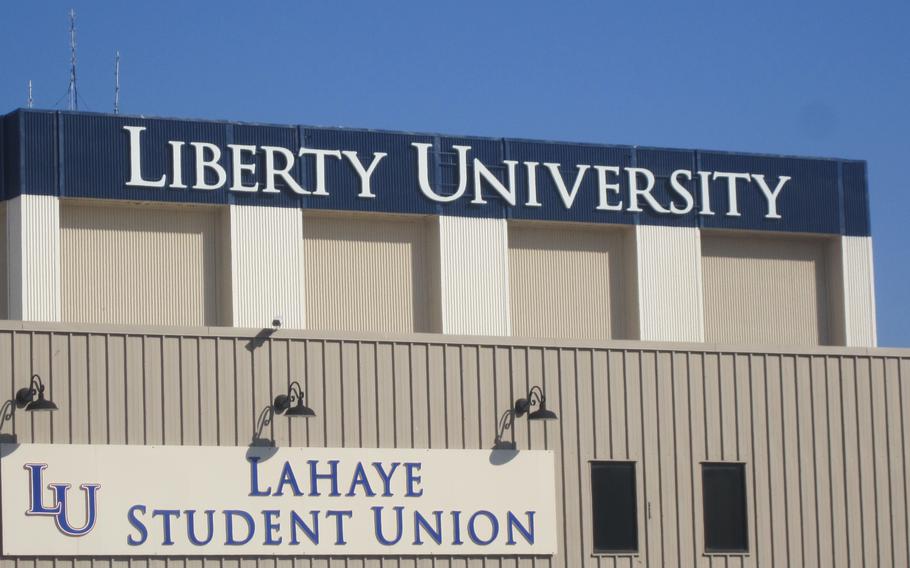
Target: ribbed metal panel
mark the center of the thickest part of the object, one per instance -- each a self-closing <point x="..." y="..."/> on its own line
<point x="669" y="280"/>
<point x="808" y="203"/>
<point x="394" y="181"/>
<point x="859" y="291"/>
<point x="490" y="152"/>
<point x="12" y="168"/>
<point x="4" y="264"/>
<point x="856" y="200"/>
<point x="96" y="157"/>
<point x="474" y="284"/>
<point x="568" y="283"/>
<point x="568" y="156"/>
<point x="33" y="258"/>
<point x="39" y="152"/>
<point x="765" y="290"/>
<point x="154" y="265"/>
<point x="822" y="433"/>
<point x="367" y="273"/>
<point x="254" y="135"/>
<point x="4" y="120"/>
<point x="86" y="155"/>
<point x="267" y="266"/>
<point x="663" y="163"/>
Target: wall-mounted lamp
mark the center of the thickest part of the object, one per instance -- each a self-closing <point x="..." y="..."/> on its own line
<point x="291" y="404"/>
<point x="535" y="397"/>
<point x="522" y="406"/>
<point x="25" y="398"/>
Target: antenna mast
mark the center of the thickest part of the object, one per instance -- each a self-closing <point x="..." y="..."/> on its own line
<point x="73" y="96"/>
<point x="30" y="93"/>
<point x="117" y="83"/>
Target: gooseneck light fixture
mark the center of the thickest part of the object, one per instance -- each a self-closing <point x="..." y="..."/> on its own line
<point x="25" y="398"/>
<point x="291" y="404"/>
<point x="522" y="406"/>
<point x="535" y="397"/>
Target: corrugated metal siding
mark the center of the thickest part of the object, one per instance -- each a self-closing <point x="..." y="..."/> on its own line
<point x="367" y="273"/>
<point x="859" y="291"/>
<point x="394" y="181"/>
<point x="768" y="291"/>
<point x="809" y="203"/>
<point x="151" y="265"/>
<point x="33" y="258"/>
<point x="856" y="199"/>
<point x="568" y="156"/>
<point x="568" y="282"/>
<point x="101" y="169"/>
<point x="39" y="175"/>
<point x="670" y="283"/>
<point x="824" y="196"/>
<point x="474" y="289"/>
<point x="267" y="266"/>
<point x="823" y="433"/>
<point x="837" y="312"/>
<point x="12" y="156"/>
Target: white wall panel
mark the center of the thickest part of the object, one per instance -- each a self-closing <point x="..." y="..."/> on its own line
<point x="859" y="291"/>
<point x="669" y="283"/>
<point x="267" y="266"/>
<point x="33" y="256"/>
<point x="474" y="276"/>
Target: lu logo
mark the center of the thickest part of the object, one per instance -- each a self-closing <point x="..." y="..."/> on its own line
<point x="60" y="509"/>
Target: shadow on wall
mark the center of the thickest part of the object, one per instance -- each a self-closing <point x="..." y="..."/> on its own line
<point x="260" y="338"/>
<point x="6" y="415"/>
<point x="262" y="448"/>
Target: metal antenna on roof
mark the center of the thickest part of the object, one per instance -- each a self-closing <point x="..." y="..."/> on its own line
<point x="30" y="93"/>
<point x="73" y="97"/>
<point x="117" y="83"/>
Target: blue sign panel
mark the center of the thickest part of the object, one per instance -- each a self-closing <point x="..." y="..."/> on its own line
<point x="87" y="155"/>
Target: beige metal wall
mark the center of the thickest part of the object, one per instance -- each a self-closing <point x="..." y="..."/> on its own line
<point x="823" y="432"/>
<point x="767" y="290"/>
<point x="153" y="264"/>
<point x="369" y="273"/>
<point x="571" y="281"/>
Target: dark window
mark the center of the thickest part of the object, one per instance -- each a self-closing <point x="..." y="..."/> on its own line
<point x="724" y="493"/>
<point x="615" y="513"/>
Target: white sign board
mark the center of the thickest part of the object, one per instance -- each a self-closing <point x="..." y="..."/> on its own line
<point x="93" y="500"/>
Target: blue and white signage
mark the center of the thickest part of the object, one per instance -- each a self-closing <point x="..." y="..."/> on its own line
<point x="79" y="500"/>
<point x="97" y="156"/>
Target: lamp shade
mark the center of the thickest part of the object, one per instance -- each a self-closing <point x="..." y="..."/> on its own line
<point x="32" y="398"/>
<point x="542" y="414"/>
<point x="40" y="405"/>
<point x="300" y="409"/>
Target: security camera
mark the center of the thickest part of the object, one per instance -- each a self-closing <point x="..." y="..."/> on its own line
<point x="276" y="322"/>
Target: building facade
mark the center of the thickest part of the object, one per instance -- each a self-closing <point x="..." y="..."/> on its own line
<point x="701" y="323"/>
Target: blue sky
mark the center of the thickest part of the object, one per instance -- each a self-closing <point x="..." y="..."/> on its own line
<point x="816" y="79"/>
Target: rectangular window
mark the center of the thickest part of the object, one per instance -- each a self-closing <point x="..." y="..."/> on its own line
<point x="614" y="506"/>
<point x="724" y="495"/>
